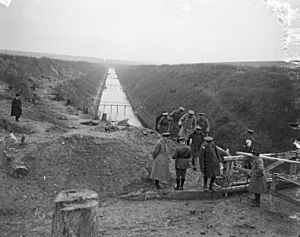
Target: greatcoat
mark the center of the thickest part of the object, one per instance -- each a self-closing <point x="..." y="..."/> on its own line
<point x="160" y="168"/>
<point x="164" y="125"/>
<point x="188" y="125"/>
<point x="258" y="181"/>
<point x="175" y="115"/>
<point x="16" y="108"/>
<point x="197" y="140"/>
<point x="209" y="160"/>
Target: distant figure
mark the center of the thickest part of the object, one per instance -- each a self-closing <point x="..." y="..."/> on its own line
<point x="203" y="123"/>
<point x="258" y="180"/>
<point x="187" y="124"/>
<point x="182" y="159"/>
<point x="209" y="162"/>
<point x="164" y="124"/>
<point x="175" y="116"/>
<point x="248" y="147"/>
<point x="160" y="169"/>
<point x="197" y="138"/>
<point x="158" y="117"/>
<point x="16" y="107"/>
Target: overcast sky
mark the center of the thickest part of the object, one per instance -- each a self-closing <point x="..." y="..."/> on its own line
<point x="168" y="31"/>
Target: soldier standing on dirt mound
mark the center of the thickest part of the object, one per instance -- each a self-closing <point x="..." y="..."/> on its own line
<point x="175" y="115"/>
<point x="158" y="117"/>
<point x="16" y="107"/>
<point x="209" y="162"/>
<point x="203" y="123"/>
<point x="160" y="168"/>
<point x="182" y="158"/>
<point x="187" y="124"/>
<point x="258" y="180"/>
<point x="197" y="138"/>
<point x="164" y="124"/>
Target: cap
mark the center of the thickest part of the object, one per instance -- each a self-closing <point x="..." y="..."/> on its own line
<point x="17" y="94"/>
<point x="191" y="112"/>
<point x="165" y="113"/>
<point x="181" y="108"/>
<point x="250" y="131"/>
<point x="208" y="139"/>
<point x="165" y="134"/>
<point x="255" y="153"/>
<point x="201" y="114"/>
<point x="181" y="139"/>
<point x="198" y="127"/>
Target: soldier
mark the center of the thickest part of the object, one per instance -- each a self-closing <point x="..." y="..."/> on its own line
<point x="158" y="117"/>
<point x="175" y="116"/>
<point x="197" y="138"/>
<point x="182" y="158"/>
<point x="258" y="180"/>
<point x="248" y="147"/>
<point x="203" y="123"/>
<point x="209" y="161"/>
<point x="187" y="124"/>
<point x="164" y="123"/>
<point x="16" y="107"/>
<point x="160" y="168"/>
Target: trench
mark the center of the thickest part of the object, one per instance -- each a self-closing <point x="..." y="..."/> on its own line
<point x="114" y="105"/>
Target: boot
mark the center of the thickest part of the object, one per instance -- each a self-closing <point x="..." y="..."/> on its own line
<point x="205" y="182"/>
<point x="157" y="184"/>
<point x="212" y="179"/>
<point x="182" y="182"/>
<point x="256" y="203"/>
<point x="178" y="184"/>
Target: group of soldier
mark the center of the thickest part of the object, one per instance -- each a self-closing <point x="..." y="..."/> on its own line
<point x="195" y="144"/>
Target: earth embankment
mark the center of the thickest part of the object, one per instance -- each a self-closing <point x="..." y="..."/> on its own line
<point x="234" y="98"/>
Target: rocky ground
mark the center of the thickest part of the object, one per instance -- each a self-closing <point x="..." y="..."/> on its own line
<point x="61" y="154"/>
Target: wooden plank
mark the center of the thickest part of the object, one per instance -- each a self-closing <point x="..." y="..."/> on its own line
<point x="269" y="158"/>
<point x="287" y="179"/>
<point x="235" y="158"/>
<point x="275" y="164"/>
<point x="286" y="198"/>
<point x="272" y="188"/>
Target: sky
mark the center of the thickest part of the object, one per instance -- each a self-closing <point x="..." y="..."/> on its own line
<point x="160" y="31"/>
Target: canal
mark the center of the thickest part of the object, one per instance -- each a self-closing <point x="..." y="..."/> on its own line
<point x="114" y="102"/>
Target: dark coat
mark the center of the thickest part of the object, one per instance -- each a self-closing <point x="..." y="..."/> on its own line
<point x="258" y="181"/>
<point x="209" y="160"/>
<point x="160" y="169"/>
<point x="174" y="128"/>
<point x="163" y="124"/>
<point x="16" y="107"/>
<point x="197" y="140"/>
<point x="182" y="156"/>
<point x="158" y="117"/>
<point x="204" y="124"/>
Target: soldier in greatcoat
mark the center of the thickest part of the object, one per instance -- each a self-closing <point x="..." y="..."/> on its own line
<point x="16" y="107"/>
<point x="258" y="180"/>
<point x="196" y="139"/>
<point x="187" y="124"/>
<point x="209" y="161"/>
<point x="182" y="157"/>
<point x="164" y="124"/>
<point x="160" y="168"/>
<point x="175" y="116"/>
<point x="203" y="123"/>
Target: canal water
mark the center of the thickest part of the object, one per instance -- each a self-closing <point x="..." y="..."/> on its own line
<point x="114" y="102"/>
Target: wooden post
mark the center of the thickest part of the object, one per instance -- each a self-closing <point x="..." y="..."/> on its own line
<point x="272" y="188"/>
<point x="76" y="214"/>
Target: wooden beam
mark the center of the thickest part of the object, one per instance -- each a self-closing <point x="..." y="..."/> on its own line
<point x="287" y="179"/>
<point x="273" y="165"/>
<point x="235" y="158"/>
<point x="286" y="198"/>
<point x="268" y="157"/>
<point x="272" y="189"/>
<point x="243" y="170"/>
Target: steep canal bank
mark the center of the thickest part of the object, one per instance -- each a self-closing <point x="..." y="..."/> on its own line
<point x="114" y="103"/>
